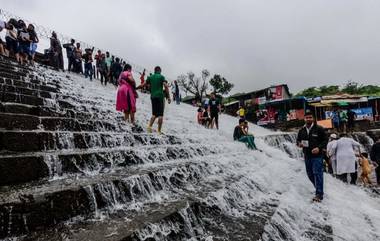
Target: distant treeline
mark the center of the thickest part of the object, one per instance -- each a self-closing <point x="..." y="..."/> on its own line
<point x="350" y="87"/>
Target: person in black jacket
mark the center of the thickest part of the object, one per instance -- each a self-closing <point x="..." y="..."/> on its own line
<point x="313" y="139"/>
<point x="70" y="53"/>
<point x="116" y="69"/>
<point x="375" y="157"/>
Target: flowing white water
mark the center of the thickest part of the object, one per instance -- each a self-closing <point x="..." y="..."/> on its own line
<point x="270" y="176"/>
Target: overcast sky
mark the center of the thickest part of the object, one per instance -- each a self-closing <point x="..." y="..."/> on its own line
<point x="252" y="43"/>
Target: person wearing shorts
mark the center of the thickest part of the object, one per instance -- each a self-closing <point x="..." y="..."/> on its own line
<point x="214" y="109"/>
<point x="157" y="83"/>
<point x="23" y="43"/>
<point x="11" y="40"/>
<point x="33" y="42"/>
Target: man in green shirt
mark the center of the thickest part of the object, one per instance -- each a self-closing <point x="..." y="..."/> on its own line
<point x="156" y="83"/>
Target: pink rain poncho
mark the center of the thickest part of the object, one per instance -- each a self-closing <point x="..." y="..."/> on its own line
<point x="126" y="97"/>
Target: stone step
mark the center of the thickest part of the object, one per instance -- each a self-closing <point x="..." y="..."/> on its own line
<point x="86" y="162"/>
<point x="81" y="114"/>
<point x="180" y="219"/>
<point x="29" y="122"/>
<point x="30" y="85"/>
<point x="120" y="226"/>
<point x="29" y="141"/>
<point x="26" y="91"/>
<point x="17" y="108"/>
<point x="13" y="69"/>
<point x="9" y="75"/>
<point x="8" y="62"/>
<point x="27" y="209"/>
<point x="21" y="99"/>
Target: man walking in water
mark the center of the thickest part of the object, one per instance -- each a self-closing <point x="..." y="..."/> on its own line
<point x="157" y="83"/>
<point x="214" y="109"/>
<point x="313" y="139"/>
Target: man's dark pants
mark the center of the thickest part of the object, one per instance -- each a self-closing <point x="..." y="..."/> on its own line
<point x="88" y="70"/>
<point x="314" y="170"/>
<point x="71" y="61"/>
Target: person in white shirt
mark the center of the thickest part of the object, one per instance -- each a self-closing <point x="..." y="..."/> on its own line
<point x="346" y="150"/>
<point x="331" y="154"/>
<point x="3" y="25"/>
<point x="11" y="41"/>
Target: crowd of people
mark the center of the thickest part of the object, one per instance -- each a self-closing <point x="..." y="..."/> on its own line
<point x="343" y="120"/>
<point x="20" y="40"/>
<point x="208" y="114"/>
<point x="342" y="154"/>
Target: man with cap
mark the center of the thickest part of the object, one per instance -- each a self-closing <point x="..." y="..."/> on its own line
<point x="331" y="152"/>
<point x="312" y="139"/>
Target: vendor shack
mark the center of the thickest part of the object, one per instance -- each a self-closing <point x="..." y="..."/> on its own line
<point x="326" y="107"/>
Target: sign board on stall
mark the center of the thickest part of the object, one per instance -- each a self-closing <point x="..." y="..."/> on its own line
<point x="363" y="113"/>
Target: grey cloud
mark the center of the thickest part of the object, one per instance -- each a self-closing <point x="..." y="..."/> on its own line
<point x="252" y="43"/>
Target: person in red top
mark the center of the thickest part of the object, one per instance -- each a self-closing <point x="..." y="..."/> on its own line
<point x="142" y="78"/>
<point x="142" y="82"/>
<point x="98" y="58"/>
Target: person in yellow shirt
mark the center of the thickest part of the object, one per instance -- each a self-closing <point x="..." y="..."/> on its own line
<point x="241" y="112"/>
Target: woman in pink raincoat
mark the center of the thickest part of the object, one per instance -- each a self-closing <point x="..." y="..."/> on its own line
<point x="126" y="94"/>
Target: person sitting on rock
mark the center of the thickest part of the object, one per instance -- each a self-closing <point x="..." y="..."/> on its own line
<point x="241" y="134"/>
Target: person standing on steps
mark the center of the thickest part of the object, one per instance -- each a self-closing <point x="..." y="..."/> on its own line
<point x="346" y="158"/>
<point x="56" y="51"/>
<point x="3" y="25"/>
<point x="375" y="157"/>
<point x="214" y="110"/>
<point x="109" y="63"/>
<point x="33" y="42"/>
<point x="98" y="57"/>
<point x="70" y="54"/>
<point x="87" y="57"/>
<point x="116" y="69"/>
<point x="102" y="67"/>
<point x="176" y="93"/>
<point x="78" y="59"/>
<point x="241" y="135"/>
<point x="313" y="139"/>
<point x="142" y="85"/>
<point x="23" y="43"/>
<point x="331" y="153"/>
<point x="126" y="96"/>
<point x="157" y="84"/>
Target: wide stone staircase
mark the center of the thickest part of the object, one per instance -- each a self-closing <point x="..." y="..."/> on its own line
<point x="72" y="170"/>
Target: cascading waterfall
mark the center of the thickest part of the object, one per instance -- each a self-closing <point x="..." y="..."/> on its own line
<point x="85" y="174"/>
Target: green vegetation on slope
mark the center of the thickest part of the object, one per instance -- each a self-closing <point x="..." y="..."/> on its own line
<point x="352" y="88"/>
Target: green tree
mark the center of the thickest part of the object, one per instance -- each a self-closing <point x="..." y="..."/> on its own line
<point x="351" y="87"/>
<point x="309" y="92"/>
<point x="329" y="90"/>
<point x="220" y="85"/>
